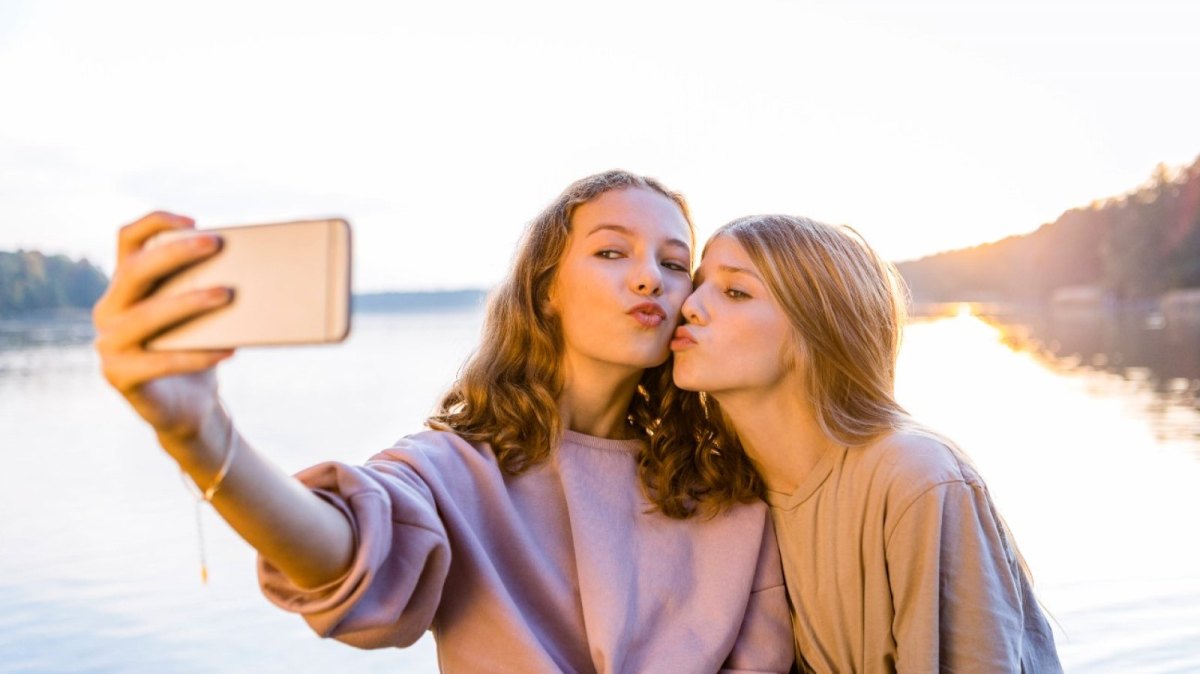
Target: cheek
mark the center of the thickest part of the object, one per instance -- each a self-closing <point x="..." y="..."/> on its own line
<point x="568" y="289"/>
<point x="755" y="349"/>
<point x="762" y="357"/>
<point x="572" y="316"/>
<point x="678" y="291"/>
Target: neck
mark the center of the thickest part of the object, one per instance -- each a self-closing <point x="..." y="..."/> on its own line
<point x="595" y="398"/>
<point x="779" y="431"/>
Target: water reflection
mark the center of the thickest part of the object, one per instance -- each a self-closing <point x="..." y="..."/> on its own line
<point x="106" y="534"/>
<point x="1149" y="359"/>
<point x="60" y="329"/>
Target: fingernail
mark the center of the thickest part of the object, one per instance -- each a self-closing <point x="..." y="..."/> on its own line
<point x="207" y="242"/>
<point x="219" y="295"/>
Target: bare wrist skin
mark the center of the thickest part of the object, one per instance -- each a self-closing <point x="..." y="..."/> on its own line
<point x="308" y="539"/>
<point x="200" y="452"/>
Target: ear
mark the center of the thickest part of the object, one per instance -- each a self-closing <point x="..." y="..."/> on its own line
<point x="548" y="303"/>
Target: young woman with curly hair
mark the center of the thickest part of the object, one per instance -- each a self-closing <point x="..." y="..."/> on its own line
<point x="553" y="520"/>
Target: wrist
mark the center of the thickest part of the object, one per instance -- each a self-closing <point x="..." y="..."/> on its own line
<point x="201" y="450"/>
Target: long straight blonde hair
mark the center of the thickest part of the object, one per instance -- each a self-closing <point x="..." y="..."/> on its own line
<point x="507" y="393"/>
<point x="847" y="306"/>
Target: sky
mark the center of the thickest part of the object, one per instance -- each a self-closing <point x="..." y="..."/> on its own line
<point x="439" y="129"/>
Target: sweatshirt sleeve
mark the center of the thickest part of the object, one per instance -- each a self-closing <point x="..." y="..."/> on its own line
<point x="401" y="559"/>
<point x="957" y="600"/>
<point x="764" y="642"/>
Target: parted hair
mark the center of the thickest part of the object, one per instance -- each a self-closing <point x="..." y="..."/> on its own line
<point x="506" y="393"/>
<point x="847" y="307"/>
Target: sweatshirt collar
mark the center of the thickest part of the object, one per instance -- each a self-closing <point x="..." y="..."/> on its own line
<point x="812" y="482"/>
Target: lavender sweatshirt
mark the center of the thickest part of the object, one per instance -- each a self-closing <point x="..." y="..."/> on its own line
<point x="561" y="569"/>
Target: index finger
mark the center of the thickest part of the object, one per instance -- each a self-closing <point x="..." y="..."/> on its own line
<point x="134" y="235"/>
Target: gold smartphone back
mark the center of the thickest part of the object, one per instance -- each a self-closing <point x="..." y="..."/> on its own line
<point x="291" y="285"/>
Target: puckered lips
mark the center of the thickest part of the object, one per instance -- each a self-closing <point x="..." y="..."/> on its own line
<point x="648" y="314"/>
<point x="683" y="339"/>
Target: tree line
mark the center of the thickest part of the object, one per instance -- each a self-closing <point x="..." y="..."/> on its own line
<point x="1134" y="246"/>
<point x="33" y="282"/>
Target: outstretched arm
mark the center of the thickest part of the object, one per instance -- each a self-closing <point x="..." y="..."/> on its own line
<point x="305" y="537"/>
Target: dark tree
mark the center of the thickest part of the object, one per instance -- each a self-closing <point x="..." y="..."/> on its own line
<point x="30" y="281"/>
<point x="1135" y="246"/>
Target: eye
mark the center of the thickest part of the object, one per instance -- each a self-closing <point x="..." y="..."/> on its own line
<point x="676" y="266"/>
<point x="735" y="294"/>
<point x="610" y="254"/>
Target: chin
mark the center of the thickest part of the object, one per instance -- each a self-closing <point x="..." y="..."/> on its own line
<point x="685" y="378"/>
<point x="655" y="352"/>
<point x="654" y="361"/>
<point x="642" y="359"/>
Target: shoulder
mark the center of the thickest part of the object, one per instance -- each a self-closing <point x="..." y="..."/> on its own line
<point x="913" y="461"/>
<point x="438" y="442"/>
<point x="928" y="477"/>
<point x="439" y="451"/>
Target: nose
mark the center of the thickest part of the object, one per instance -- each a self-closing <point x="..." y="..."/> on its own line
<point x="648" y="279"/>
<point x="693" y="309"/>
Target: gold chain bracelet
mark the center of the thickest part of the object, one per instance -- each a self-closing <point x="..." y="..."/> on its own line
<point x="206" y="495"/>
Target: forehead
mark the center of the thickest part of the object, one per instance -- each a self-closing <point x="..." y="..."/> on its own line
<point x="724" y="255"/>
<point x="725" y="251"/>
<point x="643" y="212"/>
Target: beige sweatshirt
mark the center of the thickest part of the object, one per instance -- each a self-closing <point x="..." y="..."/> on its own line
<point x="896" y="560"/>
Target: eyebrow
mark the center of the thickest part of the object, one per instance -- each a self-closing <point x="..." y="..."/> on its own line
<point x="629" y="232"/>
<point x="728" y="269"/>
<point x="738" y="270"/>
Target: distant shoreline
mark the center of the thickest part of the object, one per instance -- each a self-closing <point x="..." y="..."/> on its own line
<point x="474" y="298"/>
<point x="372" y="302"/>
<point x="74" y="324"/>
<point x="430" y="300"/>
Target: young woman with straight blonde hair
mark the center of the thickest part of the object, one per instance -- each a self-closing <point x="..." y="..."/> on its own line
<point x="894" y="555"/>
<point x="528" y="530"/>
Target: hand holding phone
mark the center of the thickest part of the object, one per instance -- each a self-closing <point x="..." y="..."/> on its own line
<point x="291" y="284"/>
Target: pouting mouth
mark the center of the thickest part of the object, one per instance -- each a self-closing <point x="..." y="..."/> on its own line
<point x="683" y="339"/>
<point x="649" y="309"/>
<point x="683" y="333"/>
<point x="648" y="315"/>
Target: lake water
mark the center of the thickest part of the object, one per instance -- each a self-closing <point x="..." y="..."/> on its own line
<point x="1091" y="448"/>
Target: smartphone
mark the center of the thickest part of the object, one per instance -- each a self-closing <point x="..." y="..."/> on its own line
<point x="291" y="284"/>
